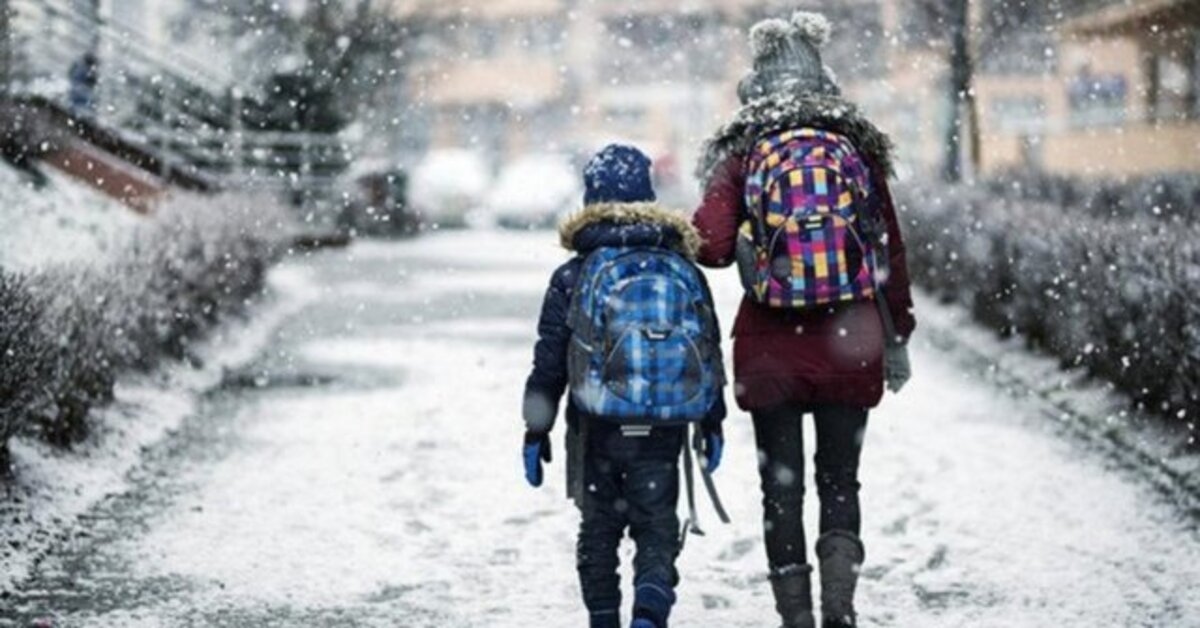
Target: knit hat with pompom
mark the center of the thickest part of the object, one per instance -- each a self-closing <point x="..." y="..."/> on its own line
<point x="787" y="58"/>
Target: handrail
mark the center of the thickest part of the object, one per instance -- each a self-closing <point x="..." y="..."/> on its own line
<point x="159" y="98"/>
<point x="113" y="32"/>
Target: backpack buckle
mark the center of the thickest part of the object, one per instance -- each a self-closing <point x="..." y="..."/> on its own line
<point x="656" y="335"/>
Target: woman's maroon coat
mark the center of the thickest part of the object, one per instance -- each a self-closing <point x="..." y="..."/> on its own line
<point x="830" y="355"/>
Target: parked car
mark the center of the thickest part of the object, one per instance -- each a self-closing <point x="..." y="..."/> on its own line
<point x="534" y="192"/>
<point x="448" y="184"/>
<point x="377" y="205"/>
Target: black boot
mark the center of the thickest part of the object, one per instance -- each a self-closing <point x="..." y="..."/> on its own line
<point x="841" y="554"/>
<point x="792" y="587"/>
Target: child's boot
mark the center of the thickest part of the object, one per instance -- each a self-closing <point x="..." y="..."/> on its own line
<point x="841" y="555"/>
<point x="652" y="602"/>
<point x="792" y="587"/>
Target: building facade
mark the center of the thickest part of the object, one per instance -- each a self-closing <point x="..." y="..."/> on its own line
<point x="1121" y="98"/>
<point x="510" y="77"/>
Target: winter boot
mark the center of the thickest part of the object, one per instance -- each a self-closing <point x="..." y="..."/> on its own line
<point x="792" y="587"/>
<point x="841" y="555"/>
<point x="652" y="601"/>
<point x="604" y="619"/>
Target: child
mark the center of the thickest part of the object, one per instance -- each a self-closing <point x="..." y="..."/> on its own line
<point x="640" y="349"/>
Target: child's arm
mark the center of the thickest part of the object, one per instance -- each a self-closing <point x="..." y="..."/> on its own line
<point x="710" y="427"/>
<point x="548" y="381"/>
<point x="720" y="212"/>
<point x="717" y="413"/>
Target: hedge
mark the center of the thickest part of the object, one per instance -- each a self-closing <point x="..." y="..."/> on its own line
<point x="1168" y="196"/>
<point x="1116" y="295"/>
<point x="67" y="333"/>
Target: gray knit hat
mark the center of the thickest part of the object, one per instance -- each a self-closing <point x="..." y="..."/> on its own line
<point x="787" y="58"/>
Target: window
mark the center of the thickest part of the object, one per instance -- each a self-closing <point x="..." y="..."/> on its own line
<point x="1019" y="115"/>
<point x="1097" y="99"/>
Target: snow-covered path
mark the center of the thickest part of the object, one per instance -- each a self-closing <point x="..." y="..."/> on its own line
<point x="366" y="472"/>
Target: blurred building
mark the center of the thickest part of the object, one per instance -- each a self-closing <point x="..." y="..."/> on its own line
<point x="1058" y="85"/>
<point x="515" y="76"/>
<point x="490" y="75"/>
<point x="1117" y="93"/>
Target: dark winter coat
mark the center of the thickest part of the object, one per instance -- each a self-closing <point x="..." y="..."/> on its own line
<point x="596" y="226"/>
<point x="603" y="225"/>
<point x="833" y="354"/>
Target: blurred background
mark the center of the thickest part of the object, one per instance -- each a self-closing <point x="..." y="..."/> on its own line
<point x="204" y="419"/>
<point x="325" y="99"/>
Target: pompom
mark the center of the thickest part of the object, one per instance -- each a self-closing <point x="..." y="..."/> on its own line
<point x="769" y="36"/>
<point x="814" y="27"/>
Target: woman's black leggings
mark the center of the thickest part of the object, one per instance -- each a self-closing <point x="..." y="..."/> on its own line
<point x="840" y="431"/>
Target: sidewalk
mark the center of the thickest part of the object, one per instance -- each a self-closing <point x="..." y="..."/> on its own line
<point x="364" y="471"/>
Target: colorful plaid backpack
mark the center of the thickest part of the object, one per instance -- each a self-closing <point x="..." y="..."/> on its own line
<point x="643" y="332"/>
<point x="809" y="237"/>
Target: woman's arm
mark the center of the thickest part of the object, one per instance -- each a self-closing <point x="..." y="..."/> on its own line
<point x="720" y="212"/>
<point x="898" y="292"/>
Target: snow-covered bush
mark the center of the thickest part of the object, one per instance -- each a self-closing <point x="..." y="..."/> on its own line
<point x="1116" y="295"/>
<point x="22" y="354"/>
<point x="1166" y="196"/>
<point x="67" y="332"/>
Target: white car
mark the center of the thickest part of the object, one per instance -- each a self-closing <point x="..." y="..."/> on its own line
<point x="535" y="191"/>
<point x="449" y="184"/>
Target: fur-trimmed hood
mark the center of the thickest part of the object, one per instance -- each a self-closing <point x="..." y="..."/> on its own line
<point x="783" y="111"/>
<point x="629" y="224"/>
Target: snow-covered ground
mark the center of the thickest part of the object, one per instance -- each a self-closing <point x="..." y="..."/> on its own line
<point x="364" y="470"/>
<point x="50" y="487"/>
<point x="64" y="221"/>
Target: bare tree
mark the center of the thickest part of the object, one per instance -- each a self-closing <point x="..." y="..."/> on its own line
<point x="352" y="50"/>
<point x="950" y="22"/>
<point x="964" y="119"/>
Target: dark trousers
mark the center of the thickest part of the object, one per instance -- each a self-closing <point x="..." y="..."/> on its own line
<point x="627" y="482"/>
<point x="840" y="431"/>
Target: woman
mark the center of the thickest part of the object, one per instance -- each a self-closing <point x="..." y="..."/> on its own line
<point x="829" y="359"/>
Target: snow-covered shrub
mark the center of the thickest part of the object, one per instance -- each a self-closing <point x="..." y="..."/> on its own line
<point x="79" y="349"/>
<point x="22" y="355"/>
<point x="199" y="260"/>
<point x="1166" y="196"/>
<point x="1116" y="295"/>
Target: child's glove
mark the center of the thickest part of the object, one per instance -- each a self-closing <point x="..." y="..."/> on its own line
<point x="896" y="369"/>
<point x="713" y="445"/>
<point x="538" y="411"/>
<point x="537" y="449"/>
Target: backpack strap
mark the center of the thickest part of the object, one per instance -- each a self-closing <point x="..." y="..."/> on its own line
<point x="874" y="230"/>
<point x="709" y="485"/>
<point x="692" y="524"/>
<point x="885" y="315"/>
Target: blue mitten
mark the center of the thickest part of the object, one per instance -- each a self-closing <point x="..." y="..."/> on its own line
<point x="537" y="450"/>
<point x="714" y="445"/>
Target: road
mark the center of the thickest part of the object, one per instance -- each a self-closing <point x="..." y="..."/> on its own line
<point x="364" y="471"/>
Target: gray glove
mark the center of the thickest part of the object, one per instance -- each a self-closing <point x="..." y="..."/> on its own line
<point x="539" y="411"/>
<point x="896" y="369"/>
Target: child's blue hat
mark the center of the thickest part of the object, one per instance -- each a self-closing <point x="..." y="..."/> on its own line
<point x="618" y="174"/>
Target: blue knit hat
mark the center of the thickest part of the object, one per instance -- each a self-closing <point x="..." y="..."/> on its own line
<point x="618" y="174"/>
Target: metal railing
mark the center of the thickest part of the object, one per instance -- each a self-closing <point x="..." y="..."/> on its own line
<point x="159" y="99"/>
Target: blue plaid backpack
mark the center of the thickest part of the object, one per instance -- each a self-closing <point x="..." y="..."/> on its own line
<point x="643" y="332"/>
